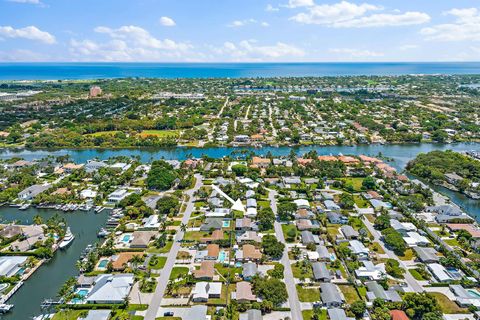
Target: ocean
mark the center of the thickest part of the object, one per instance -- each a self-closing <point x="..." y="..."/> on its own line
<point x="63" y="71"/>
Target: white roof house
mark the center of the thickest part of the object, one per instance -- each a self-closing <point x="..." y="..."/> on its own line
<point x="118" y="195"/>
<point x="205" y="290"/>
<point x="251" y="212"/>
<point x="371" y="271"/>
<point x="111" y="288"/>
<point x="439" y="272"/>
<point x="10" y="265"/>
<point x="302" y="203"/>
<point x="359" y="249"/>
<point x="88" y="194"/>
<point x="152" y="222"/>
<point x="415" y="239"/>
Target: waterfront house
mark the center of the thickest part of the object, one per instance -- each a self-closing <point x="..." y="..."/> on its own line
<point x="32" y="191"/>
<point x="11" y="265"/>
<point x="141" y="239"/>
<point x="121" y="260"/>
<point x="110" y="289"/>
<point x="97" y="315"/>
<point x="117" y="196"/>
<point x="93" y="165"/>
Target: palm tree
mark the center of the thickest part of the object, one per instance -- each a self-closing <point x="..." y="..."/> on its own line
<point x="183" y="227"/>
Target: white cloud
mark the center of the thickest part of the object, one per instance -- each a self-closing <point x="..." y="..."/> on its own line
<point x="345" y="14"/>
<point x="356" y="53"/>
<point x="271" y="8"/>
<point x="30" y="33"/>
<point x="245" y="22"/>
<point x="128" y="43"/>
<point x="466" y="27"/>
<point x="250" y="50"/>
<point x="300" y="3"/>
<point x="167" y="22"/>
<point x="386" y="20"/>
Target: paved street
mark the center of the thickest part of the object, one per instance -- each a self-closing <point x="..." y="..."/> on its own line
<point x="289" y="280"/>
<point x="151" y="313"/>
<point x="412" y="283"/>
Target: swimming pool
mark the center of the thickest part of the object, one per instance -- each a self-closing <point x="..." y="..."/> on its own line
<point x="103" y="263"/>
<point x="126" y="238"/>
<point x="222" y="256"/>
<point x="80" y="296"/>
<point x="226" y="223"/>
<point x="474" y="293"/>
<point x="332" y="257"/>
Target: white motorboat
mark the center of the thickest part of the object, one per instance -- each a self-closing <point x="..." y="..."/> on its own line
<point x="4" y="308"/>
<point x="67" y="240"/>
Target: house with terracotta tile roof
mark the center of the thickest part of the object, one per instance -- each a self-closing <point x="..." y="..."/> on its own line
<point x="206" y="271"/>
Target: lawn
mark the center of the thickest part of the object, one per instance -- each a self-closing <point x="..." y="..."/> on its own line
<point x="350" y="293"/>
<point x="355" y="182"/>
<point x="195" y="235"/>
<point x="308" y="294"/>
<point x="161" y="133"/>
<point x="416" y="274"/>
<point x="158" y="262"/>
<point x="299" y="272"/>
<point x="287" y="228"/>
<point x="452" y="242"/>
<point x="408" y="255"/>
<point x="308" y="314"/>
<point x="178" y="272"/>
<point x="69" y="314"/>
<point x="360" y="201"/>
<point x="446" y="305"/>
<point x="165" y="249"/>
<point x="376" y="247"/>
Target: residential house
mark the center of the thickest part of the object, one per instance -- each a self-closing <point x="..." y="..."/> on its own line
<point x="320" y="272"/>
<point x="111" y="289"/>
<point x="376" y="291"/>
<point x="206" y="271"/>
<point x="331" y="295"/>
<point x="243" y="292"/>
<point x="248" y="253"/>
<point x="426" y="254"/>
<point x="359" y="250"/>
<point x="206" y="290"/>
<point x="249" y="269"/>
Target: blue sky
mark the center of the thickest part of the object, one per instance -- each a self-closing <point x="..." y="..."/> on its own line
<point x="241" y="30"/>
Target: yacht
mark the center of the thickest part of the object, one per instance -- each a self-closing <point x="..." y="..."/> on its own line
<point x="24" y="207"/>
<point x="4" y="308"/>
<point x="103" y="233"/>
<point x="67" y="240"/>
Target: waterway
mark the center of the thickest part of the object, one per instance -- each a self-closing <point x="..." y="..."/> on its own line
<point x="48" y="279"/>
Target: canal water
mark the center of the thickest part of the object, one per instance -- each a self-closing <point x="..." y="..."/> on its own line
<point x="48" y="279"/>
<point x="402" y="153"/>
<point x="46" y="282"/>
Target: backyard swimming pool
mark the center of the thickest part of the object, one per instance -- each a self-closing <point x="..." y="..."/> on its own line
<point x="222" y="256"/>
<point x="226" y="223"/>
<point x="81" y="294"/>
<point x="103" y="263"/>
<point x="126" y="238"/>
